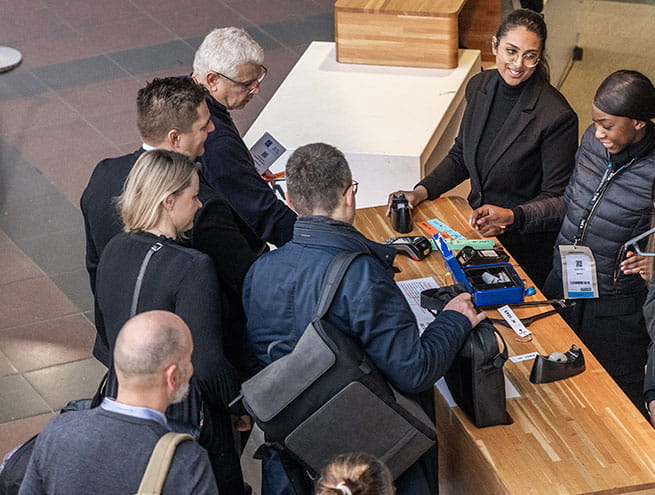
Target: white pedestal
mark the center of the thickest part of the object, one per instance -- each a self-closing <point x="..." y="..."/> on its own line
<point x="392" y="123"/>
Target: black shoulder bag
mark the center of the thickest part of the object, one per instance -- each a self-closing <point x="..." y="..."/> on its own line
<point x="476" y="378"/>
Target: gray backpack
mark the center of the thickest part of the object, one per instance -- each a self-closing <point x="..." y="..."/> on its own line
<point x="326" y="397"/>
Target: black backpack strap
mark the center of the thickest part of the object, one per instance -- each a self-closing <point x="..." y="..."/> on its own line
<point x="333" y="277"/>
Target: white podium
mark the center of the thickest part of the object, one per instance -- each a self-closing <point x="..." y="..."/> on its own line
<point x="392" y="123"/>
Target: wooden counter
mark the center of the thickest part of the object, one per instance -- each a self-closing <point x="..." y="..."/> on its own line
<point x="579" y="435"/>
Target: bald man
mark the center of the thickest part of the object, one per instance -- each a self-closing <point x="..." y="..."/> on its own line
<point x="106" y="450"/>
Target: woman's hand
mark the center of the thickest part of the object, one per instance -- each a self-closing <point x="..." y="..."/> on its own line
<point x="414" y="198"/>
<point x="491" y="220"/>
<point x="651" y="411"/>
<point x="633" y="263"/>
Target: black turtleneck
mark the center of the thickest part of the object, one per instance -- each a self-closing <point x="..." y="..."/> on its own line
<point x="505" y="97"/>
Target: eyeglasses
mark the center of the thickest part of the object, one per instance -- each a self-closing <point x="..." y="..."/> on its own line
<point x="511" y="54"/>
<point x="251" y="86"/>
<point x="354" y="185"/>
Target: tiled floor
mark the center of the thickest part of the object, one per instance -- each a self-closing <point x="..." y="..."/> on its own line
<point x="70" y="104"/>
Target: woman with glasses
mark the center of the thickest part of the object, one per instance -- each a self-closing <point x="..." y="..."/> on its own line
<point x="516" y="141"/>
<point x="608" y="202"/>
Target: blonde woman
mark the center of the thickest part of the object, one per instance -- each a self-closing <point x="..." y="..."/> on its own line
<point x="157" y="206"/>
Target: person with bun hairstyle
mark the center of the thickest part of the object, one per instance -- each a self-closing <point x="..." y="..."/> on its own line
<point x="355" y="474"/>
<point x="608" y="201"/>
<point x="516" y="142"/>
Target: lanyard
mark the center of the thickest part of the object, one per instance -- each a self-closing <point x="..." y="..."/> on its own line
<point x="597" y="196"/>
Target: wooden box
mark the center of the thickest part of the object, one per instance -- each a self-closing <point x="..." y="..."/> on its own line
<point x="478" y="21"/>
<point x="411" y="33"/>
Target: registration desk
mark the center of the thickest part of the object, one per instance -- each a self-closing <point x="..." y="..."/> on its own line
<point x="578" y="435"/>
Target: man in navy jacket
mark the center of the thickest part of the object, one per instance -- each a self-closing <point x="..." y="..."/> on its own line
<point x="282" y="288"/>
<point x="229" y="64"/>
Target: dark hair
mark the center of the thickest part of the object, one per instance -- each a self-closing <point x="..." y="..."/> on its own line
<point x="165" y="104"/>
<point x="317" y="175"/>
<point x="534" y="23"/>
<point x="626" y="93"/>
<point x="359" y="473"/>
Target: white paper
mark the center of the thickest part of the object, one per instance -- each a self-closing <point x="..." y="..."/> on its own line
<point x="412" y="289"/>
<point x="523" y="357"/>
<point x="510" y="391"/>
<point x="514" y="321"/>
<point x="265" y="151"/>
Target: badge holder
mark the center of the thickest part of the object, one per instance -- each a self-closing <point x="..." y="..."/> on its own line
<point x="579" y="279"/>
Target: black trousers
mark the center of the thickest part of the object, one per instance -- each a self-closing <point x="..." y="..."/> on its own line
<point x="614" y="330"/>
<point x="217" y="438"/>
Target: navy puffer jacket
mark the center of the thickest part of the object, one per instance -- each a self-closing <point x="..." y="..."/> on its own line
<point x="624" y="211"/>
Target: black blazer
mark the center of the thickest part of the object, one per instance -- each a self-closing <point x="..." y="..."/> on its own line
<point x="101" y="220"/>
<point x="531" y="157"/>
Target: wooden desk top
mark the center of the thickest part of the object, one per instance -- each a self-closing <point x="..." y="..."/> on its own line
<point x="403" y="7"/>
<point x="579" y="435"/>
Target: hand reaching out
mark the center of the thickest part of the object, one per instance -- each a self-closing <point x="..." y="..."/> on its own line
<point x="491" y="220"/>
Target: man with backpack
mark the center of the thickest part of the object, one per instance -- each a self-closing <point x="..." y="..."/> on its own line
<point x="106" y="449"/>
<point x="282" y="288"/>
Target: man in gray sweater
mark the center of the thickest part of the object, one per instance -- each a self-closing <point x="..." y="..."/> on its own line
<point x="106" y="450"/>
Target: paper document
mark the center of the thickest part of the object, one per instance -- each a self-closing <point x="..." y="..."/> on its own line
<point x="265" y="151"/>
<point x="412" y="289"/>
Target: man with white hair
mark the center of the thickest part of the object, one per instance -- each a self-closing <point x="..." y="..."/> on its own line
<point x="229" y="64"/>
<point x="106" y="449"/>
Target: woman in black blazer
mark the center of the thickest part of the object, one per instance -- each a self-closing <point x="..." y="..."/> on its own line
<point x="516" y="142"/>
<point x="158" y="204"/>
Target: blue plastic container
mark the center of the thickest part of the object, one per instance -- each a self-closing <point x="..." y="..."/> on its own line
<point x="484" y="294"/>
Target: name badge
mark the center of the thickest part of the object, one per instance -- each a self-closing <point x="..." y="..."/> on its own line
<point x="578" y="272"/>
<point x="265" y="151"/>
